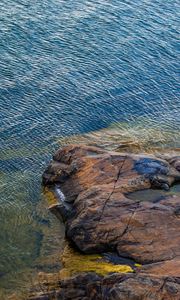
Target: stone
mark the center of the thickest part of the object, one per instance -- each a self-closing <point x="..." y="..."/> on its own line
<point x="99" y="217"/>
<point x="90" y="286"/>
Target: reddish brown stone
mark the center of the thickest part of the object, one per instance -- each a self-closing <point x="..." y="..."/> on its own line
<point x="100" y="217"/>
<point x="89" y="286"/>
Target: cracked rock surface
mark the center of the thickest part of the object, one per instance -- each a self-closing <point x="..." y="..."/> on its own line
<point x="99" y="217"/>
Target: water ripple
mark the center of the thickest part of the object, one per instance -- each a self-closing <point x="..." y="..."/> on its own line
<point x="70" y="67"/>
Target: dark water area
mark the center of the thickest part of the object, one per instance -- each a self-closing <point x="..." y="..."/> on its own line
<point x="154" y="195"/>
<point x="71" y="67"/>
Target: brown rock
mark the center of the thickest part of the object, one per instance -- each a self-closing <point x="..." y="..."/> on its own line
<point x="89" y="286"/>
<point x="100" y="217"/>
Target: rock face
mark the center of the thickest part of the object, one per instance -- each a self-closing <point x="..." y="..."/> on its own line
<point x="114" y="287"/>
<point x="93" y="185"/>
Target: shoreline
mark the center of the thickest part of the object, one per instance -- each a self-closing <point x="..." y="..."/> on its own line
<point x="94" y="182"/>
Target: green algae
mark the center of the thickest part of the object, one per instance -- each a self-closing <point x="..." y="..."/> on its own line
<point x="75" y="262"/>
<point x="50" y="197"/>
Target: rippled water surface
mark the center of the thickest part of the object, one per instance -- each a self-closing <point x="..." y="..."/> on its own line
<point x="70" y="67"/>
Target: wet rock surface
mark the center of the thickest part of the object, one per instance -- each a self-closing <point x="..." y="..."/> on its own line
<point x="94" y="185"/>
<point x="90" y="286"/>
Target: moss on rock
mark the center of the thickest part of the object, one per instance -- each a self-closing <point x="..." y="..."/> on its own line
<point x="75" y="262"/>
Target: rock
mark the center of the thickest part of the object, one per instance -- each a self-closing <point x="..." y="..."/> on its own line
<point x="100" y="217"/>
<point x="90" y="286"/>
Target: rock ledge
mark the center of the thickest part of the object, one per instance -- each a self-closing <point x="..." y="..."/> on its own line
<point x="93" y="187"/>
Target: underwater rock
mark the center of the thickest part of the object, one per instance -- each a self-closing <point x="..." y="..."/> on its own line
<point x="90" y="286"/>
<point x="100" y="218"/>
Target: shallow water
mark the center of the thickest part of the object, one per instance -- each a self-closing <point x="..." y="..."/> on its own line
<point x="153" y="195"/>
<point x="70" y="67"/>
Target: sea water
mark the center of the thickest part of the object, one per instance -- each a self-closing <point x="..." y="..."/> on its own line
<point x="70" y="67"/>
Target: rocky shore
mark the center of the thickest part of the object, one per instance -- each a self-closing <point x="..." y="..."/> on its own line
<point x="125" y="248"/>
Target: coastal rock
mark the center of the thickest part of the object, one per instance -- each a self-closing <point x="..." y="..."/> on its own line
<point x="100" y="216"/>
<point x="90" y="286"/>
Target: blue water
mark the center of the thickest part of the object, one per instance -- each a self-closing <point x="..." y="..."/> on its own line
<point x="69" y="67"/>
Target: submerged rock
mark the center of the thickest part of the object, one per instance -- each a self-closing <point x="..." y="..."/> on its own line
<point x="99" y="217"/>
<point x="90" y="286"/>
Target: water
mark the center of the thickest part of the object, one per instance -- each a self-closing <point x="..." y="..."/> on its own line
<point x="154" y="196"/>
<point x="70" y="67"/>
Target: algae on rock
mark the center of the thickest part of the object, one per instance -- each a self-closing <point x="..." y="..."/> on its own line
<point x="75" y="262"/>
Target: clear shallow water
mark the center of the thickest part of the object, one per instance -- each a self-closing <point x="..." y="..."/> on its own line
<point x="154" y="195"/>
<point x="70" y="67"/>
